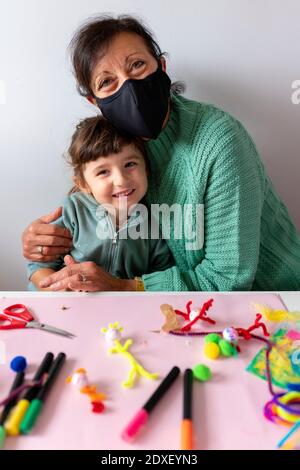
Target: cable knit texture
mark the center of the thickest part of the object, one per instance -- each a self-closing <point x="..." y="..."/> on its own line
<point x="205" y="156"/>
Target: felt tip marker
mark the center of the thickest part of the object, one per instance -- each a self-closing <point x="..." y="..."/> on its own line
<point x="187" y="438"/>
<point x="36" y="405"/>
<point x="19" y="379"/>
<point x="142" y="416"/>
<point x="12" y="424"/>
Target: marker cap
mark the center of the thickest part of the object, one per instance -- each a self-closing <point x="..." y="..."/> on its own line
<point x="31" y="416"/>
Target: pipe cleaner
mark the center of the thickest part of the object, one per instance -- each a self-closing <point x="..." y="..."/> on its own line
<point x="17" y="391"/>
<point x="119" y="348"/>
<point x="246" y="334"/>
<point x="190" y="316"/>
<point x="80" y="381"/>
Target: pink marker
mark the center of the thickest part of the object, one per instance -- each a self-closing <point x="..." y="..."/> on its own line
<point x="141" y="417"/>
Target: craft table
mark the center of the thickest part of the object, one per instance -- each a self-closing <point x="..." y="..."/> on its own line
<point x="227" y="410"/>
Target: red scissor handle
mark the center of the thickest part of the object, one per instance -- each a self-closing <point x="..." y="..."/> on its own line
<point x="11" y="323"/>
<point x="22" y="314"/>
<point x="15" y="319"/>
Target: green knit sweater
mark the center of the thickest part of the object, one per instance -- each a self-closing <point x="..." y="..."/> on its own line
<point x="205" y="156"/>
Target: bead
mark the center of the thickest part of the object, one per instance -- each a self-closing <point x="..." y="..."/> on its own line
<point x="230" y="334"/>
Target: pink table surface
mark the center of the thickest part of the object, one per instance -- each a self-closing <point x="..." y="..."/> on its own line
<point x="227" y="410"/>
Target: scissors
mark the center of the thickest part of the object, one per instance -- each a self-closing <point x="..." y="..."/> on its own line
<point x="18" y="316"/>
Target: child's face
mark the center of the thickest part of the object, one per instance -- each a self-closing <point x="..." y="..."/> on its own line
<point x="118" y="178"/>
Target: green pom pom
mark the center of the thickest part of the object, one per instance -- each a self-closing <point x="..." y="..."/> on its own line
<point x="227" y="349"/>
<point x="212" y="338"/>
<point x="201" y="372"/>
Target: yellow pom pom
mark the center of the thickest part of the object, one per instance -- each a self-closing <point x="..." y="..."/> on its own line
<point x="211" y="350"/>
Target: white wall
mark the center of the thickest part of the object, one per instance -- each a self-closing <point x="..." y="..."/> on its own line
<point x="239" y="54"/>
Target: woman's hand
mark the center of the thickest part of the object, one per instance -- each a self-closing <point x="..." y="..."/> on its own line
<point x="43" y="241"/>
<point x="86" y="277"/>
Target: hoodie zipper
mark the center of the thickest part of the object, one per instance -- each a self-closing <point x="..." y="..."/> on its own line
<point x="112" y="250"/>
<point x="114" y="244"/>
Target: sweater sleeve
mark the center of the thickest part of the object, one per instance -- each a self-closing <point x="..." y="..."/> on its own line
<point x="233" y="203"/>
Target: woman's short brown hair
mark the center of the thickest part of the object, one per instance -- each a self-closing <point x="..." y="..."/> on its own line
<point x="96" y="137"/>
<point x="91" y="40"/>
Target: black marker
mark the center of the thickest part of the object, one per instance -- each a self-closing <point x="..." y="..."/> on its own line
<point x="36" y="404"/>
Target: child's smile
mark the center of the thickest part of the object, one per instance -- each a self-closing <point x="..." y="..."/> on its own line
<point x="125" y="193"/>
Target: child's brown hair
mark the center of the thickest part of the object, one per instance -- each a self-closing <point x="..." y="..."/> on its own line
<point x="95" y="137"/>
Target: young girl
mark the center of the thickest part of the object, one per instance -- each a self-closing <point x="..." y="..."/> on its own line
<point x="108" y="225"/>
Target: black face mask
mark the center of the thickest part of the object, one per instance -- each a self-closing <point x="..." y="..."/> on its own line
<point x="139" y="106"/>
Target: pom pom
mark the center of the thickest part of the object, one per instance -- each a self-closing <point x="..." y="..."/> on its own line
<point x="18" y="364"/>
<point x="201" y="372"/>
<point x="97" y="406"/>
<point x="211" y="350"/>
<point x="212" y="338"/>
<point x="226" y="348"/>
<point x="230" y="334"/>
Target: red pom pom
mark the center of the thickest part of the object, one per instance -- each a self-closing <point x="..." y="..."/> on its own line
<point x="97" y="406"/>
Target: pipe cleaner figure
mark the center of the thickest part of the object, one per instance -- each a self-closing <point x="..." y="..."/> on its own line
<point x="114" y="331"/>
<point x="192" y="316"/>
<point x="80" y="381"/>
